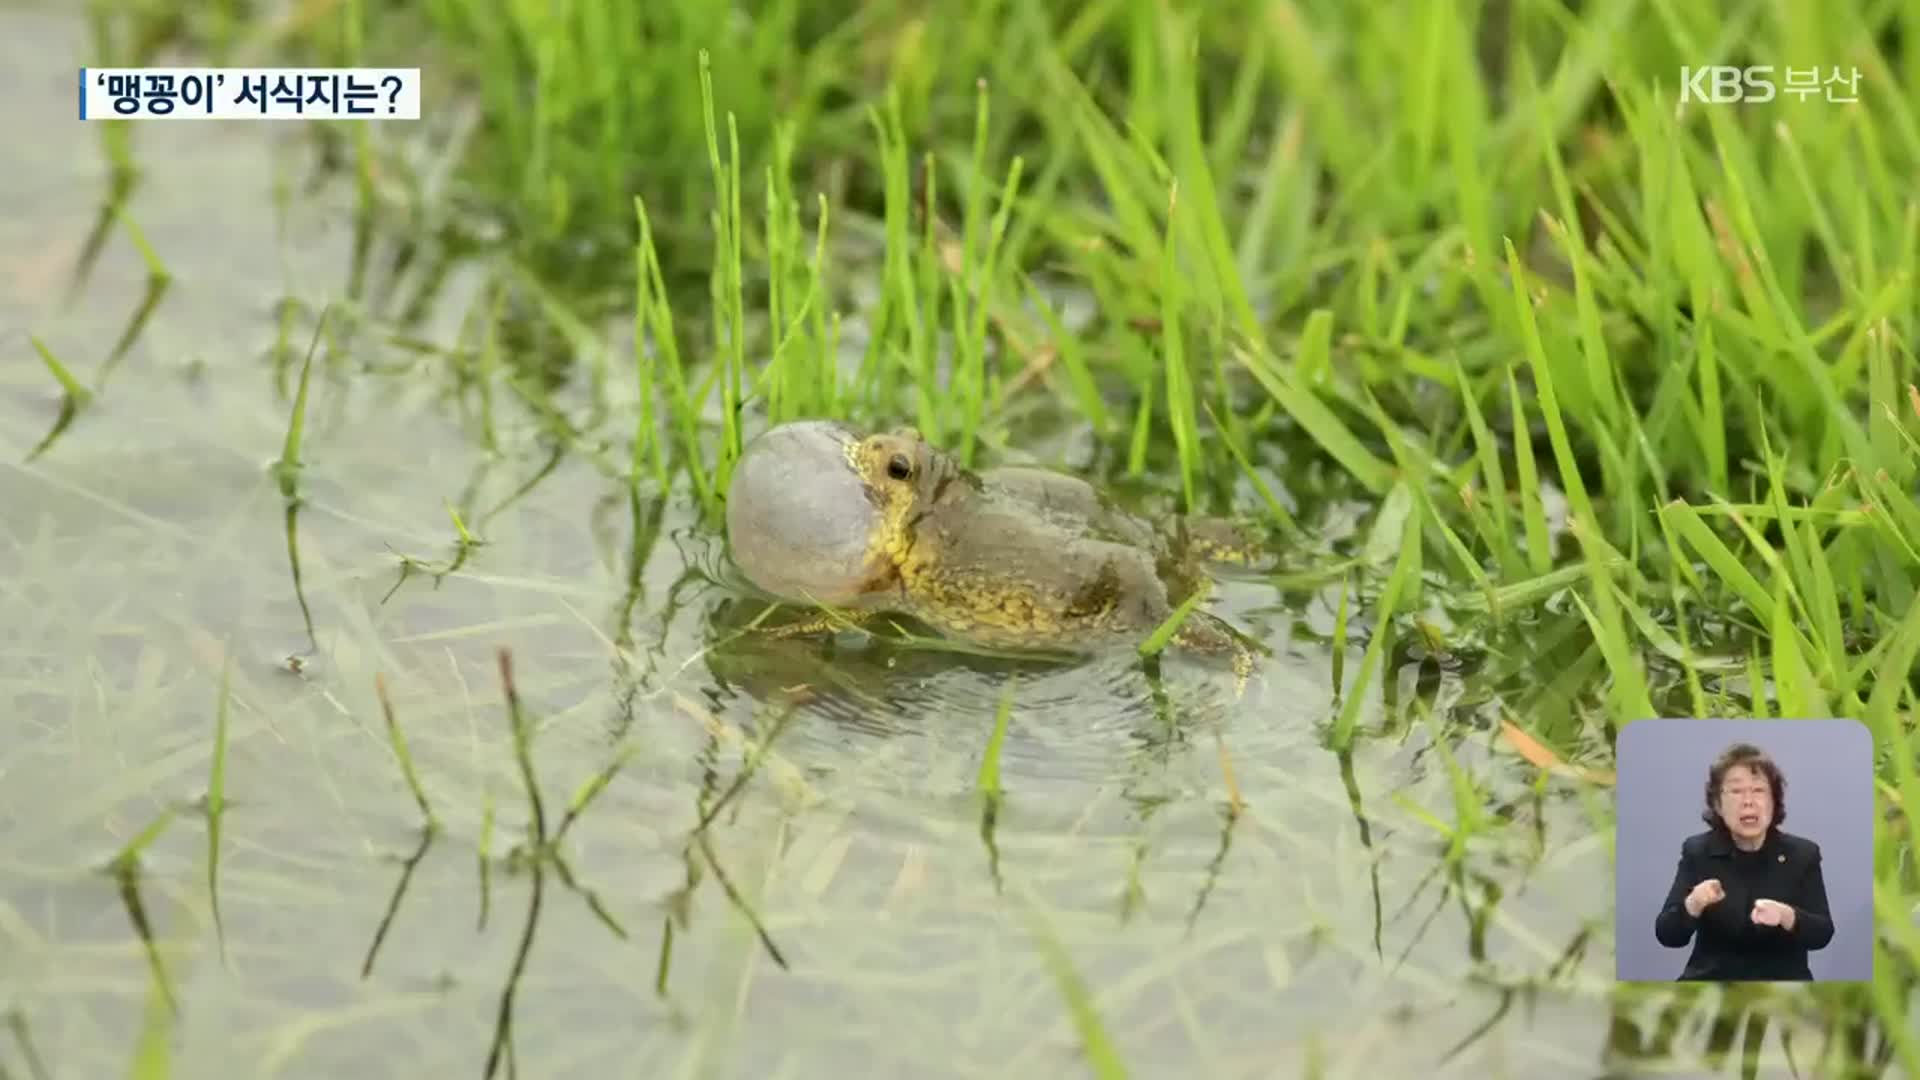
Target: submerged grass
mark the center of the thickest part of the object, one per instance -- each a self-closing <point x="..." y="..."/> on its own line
<point x="23" y="1039"/>
<point x="1102" y="1057"/>
<point x="287" y="472"/>
<point x="216" y="798"/>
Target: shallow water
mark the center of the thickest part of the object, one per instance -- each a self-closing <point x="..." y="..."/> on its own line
<point x="147" y="549"/>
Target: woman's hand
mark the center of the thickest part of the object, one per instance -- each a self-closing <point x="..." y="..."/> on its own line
<point x="1772" y="913"/>
<point x="1705" y="895"/>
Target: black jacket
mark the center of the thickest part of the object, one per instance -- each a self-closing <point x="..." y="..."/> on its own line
<point x="1726" y="943"/>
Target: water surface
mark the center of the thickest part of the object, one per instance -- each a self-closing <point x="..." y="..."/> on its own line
<point x="146" y="550"/>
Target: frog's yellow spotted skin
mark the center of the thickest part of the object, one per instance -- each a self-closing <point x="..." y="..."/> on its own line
<point x="1012" y="557"/>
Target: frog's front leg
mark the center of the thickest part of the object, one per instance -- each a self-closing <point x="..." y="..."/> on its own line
<point x="823" y="623"/>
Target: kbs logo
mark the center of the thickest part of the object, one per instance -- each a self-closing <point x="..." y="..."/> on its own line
<point x="1725" y="85"/>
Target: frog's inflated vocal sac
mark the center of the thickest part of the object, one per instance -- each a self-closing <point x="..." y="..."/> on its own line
<point x="1012" y="557"/>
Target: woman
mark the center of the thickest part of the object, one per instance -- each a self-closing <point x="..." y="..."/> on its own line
<point x="1749" y="896"/>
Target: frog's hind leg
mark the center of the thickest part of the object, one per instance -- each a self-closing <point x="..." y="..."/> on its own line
<point x="1234" y="541"/>
<point x="1191" y="543"/>
<point x="1211" y="635"/>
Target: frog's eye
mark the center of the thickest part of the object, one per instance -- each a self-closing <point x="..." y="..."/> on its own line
<point x="898" y="467"/>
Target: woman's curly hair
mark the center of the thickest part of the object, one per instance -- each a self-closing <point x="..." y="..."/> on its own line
<point x="1756" y="759"/>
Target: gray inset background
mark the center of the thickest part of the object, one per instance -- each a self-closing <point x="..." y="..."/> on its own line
<point x="1663" y="771"/>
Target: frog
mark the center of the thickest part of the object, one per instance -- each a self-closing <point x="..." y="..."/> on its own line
<point x="823" y="515"/>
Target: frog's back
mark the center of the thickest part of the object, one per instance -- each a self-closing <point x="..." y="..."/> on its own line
<point x="994" y="568"/>
<point x="1067" y="503"/>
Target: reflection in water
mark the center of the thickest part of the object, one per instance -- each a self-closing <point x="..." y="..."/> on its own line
<point x="23" y="1038"/>
<point x="407" y="866"/>
<point x="543" y="852"/>
<point x="707" y="808"/>
<point x="554" y="849"/>
<point x="122" y="179"/>
<point x="879" y="684"/>
<point x="158" y="281"/>
<point x="503" y="1024"/>
<point x="1352" y="786"/>
<point x="536" y="807"/>
<point x="126" y="874"/>
<point x="889" y="682"/>
<point x="1228" y="821"/>
<point x="747" y="769"/>
<point x="991" y="791"/>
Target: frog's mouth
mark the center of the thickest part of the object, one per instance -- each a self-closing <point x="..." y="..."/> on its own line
<point x="800" y="520"/>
